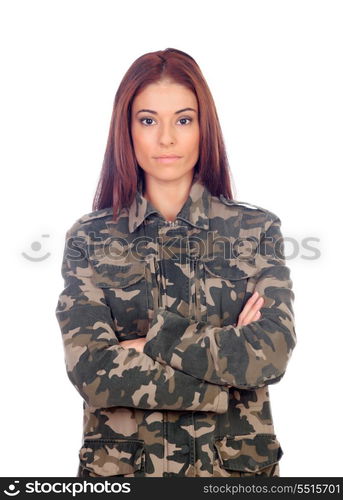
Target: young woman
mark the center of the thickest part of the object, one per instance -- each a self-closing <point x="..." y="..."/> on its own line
<point x="177" y="311"/>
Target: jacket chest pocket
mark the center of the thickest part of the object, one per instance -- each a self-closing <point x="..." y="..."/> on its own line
<point x="224" y="287"/>
<point x="125" y="290"/>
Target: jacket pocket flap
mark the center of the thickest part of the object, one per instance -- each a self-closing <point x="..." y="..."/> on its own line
<point x="231" y="269"/>
<point x="248" y="453"/>
<point x="106" y="457"/>
<point x="118" y="276"/>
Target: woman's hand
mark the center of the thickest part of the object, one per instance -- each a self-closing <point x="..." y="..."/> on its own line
<point x="251" y="310"/>
<point x="137" y="344"/>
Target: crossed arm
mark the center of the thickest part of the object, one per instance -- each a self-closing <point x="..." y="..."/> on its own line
<point x="250" y="312"/>
<point x="180" y="365"/>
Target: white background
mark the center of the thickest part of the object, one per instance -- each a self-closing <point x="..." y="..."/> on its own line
<point x="275" y="71"/>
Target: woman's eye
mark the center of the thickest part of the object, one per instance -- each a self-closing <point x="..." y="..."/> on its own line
<point x="143" y="120"/>
<point x="189" y="119"/>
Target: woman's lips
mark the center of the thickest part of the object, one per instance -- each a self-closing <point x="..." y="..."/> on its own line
<point x="167" y="159"/>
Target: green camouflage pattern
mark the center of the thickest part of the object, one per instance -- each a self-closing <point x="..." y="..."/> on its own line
<point x="195" y="402"/>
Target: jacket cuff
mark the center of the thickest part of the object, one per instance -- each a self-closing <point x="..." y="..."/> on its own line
<point x="165" y="332"/>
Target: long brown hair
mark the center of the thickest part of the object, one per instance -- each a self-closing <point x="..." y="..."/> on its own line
<point x="120" y="173"/>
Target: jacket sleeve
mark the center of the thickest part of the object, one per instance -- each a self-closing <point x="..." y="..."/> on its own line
<point x="107" y="374"/>
<point x="248" y="356"/>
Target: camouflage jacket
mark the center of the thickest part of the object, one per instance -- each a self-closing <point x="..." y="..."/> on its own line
<point x="195" y="402"/>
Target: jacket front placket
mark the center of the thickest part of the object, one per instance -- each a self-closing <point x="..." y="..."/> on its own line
<point x="174" y="271"/>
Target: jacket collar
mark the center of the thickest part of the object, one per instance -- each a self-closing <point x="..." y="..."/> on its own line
<point x="195" y="210"/>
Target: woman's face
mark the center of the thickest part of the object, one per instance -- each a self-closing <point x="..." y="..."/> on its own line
<point x="164" y="121"/>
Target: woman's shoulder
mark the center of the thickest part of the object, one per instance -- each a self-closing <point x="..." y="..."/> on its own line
<point x="246" y="206"/>
<point x="96" y="214"/>
<point x="90" y="220"/>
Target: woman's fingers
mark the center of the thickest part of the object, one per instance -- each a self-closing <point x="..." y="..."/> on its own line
<point x="250" y="311"/>
<point x="250" y="316"/>
<point x="257" y="316"/>
<point x="137" y="344"/>
<point x="248" y="305"/>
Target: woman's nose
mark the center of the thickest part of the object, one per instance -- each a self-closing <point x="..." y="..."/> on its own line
<point x="167" y="135"/>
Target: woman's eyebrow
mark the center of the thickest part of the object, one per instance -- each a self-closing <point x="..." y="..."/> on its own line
<point x="155" y="112"/>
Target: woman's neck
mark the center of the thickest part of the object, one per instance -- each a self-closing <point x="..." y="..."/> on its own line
<point x="166" y="196"/>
